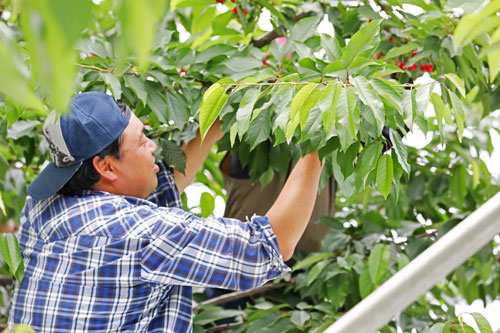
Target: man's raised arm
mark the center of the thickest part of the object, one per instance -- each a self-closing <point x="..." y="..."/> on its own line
<point x="196" y="152"/>
<point x="292" y="209"/>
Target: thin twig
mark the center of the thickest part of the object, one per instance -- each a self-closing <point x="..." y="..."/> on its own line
<point x="222" y="327"/>
<point x="242" y="294"/>
<point x="97" y="68"/>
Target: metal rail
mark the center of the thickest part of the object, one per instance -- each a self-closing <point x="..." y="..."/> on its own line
<point x="421" y="274"/>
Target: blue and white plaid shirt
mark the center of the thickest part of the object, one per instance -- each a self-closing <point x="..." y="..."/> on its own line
<point x="101" y="262"/>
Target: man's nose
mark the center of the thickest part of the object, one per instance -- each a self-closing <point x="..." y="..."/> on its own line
<point x="153" y="145"/>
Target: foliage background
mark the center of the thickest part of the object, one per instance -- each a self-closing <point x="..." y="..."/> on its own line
<point x="351" y="96"/>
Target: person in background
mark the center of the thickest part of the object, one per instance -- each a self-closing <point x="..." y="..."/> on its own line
<point x="245" y="197"/>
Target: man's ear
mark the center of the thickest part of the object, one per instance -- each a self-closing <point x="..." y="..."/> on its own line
<point x="105" y="168"/>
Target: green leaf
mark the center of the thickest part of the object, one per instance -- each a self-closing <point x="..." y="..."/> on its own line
<point x="212" y="314"/>
<point x="233" y="133"/>
<point x="439" y="110"/>
<point x="114" y="83"/>
<point x="457" y="82"/>
<point x="173" y="155"/>
<point x="301" y="98"/>
<point x="458" y="108"/>
<point x="315" y="272"/>
<point x="437" y="328"/>
<point x="137" y="85"/>
<point x="482" y="323"/>
<point x="272" y="9"/>
<point x="365" y="283"/>
<point x="328" y="104"/>
<point x="494" y="56"/>
<point x="378" y="261"/>
<point x="403" y="49"/>
<point x="51" y="30"/>
<point x="243" y="64"/>
<point x="369" y="97"/>
<point x="476" y="174"/>
<point x="401" y="150"/>
<point x="385" y="174"/>
<point x="422" y="97"/>
<point x="299" y="318"/>
<point x="346" y="125"/>
<point x="139" y="20"/>
<point x="244" y="113"/>
<point x="367" y="161"/>
<point x="211" y="104"/>
<point x="458" y="184"/>
<point x="471" y="25"/>
<point x="363" y="40"/>
<point x="12" y="255"/>
<point x="2" y="205"/>
<point x="304" y="28"/>
<point x="16" y="86"/>
<point x="388" y="93"/>
<point x="311" y="259"/>
<point x="260" y="129"/>
<point x="331" y="46"/>
<point x="156" y="100"/>
<point x="409" y="107"/>
<point x="207" y="204"/>
<point x="177" y="109"/>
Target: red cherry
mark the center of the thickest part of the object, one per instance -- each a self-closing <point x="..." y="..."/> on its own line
<point x="402" y="65"/>
<point x="423" y="68"/>
<point x="244" y="11"/>
<point x="235" y="10"/>
<point x="414" y="53"/>
<point x="430" y="68"/>
<point x="219" y="1"/>
<point x="413" y="67"/>
<point x="232" y="1"/>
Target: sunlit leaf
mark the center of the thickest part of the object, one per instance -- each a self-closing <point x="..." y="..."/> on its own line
<point x="401" y="150"/>
<point x="244" y="113"/>
<point x="370" y="98"/>
<point x="328" y="104"/>
<point x="211" y="104"/>
<point x="385" y="175"/>
<point x="378" y="261"/>
<point x="361" y="41"/>
<point x="457" y="82"/>
<point x="482" y="323"/>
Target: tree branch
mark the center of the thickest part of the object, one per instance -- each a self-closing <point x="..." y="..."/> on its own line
<point x="270" y="36"/>
<point x="242" y="294"/>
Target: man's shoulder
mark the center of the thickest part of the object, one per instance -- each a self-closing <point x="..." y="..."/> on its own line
<point x="91" y="213"/>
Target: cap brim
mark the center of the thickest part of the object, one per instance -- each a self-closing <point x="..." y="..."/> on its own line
<point x="51" y="180"/>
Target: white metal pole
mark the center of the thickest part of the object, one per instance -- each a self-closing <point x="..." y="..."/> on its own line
<point x="429" y="268"/>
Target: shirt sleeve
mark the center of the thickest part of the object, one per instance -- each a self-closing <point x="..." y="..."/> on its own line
<point x="166" y="193"/>
<point x="213" y="252"/>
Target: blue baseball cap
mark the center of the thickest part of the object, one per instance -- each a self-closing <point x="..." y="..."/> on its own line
<point x="93" y="122"/>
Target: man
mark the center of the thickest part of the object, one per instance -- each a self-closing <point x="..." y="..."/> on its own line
<point x="104" y="254"/>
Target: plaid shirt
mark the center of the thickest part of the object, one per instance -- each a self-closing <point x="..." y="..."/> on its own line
<point x="101" y="262"/>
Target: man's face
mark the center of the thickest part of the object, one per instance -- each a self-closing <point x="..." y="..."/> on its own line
<point x="136" y="169"/>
